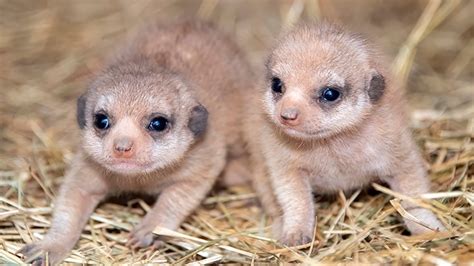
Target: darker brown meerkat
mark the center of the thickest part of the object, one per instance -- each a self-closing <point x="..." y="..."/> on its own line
<point x="330" y="118"/>
<point x="162" y="117"/>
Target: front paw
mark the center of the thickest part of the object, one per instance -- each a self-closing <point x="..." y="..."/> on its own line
<point x="296" y="237"/>
<point x="43" y="253"/>
<point x="427" y="218"/>
<point x="142" y="237"/>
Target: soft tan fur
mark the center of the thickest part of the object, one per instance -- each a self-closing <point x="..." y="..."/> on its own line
<point x="168" y="70"/>
<point x="329" y="147"/>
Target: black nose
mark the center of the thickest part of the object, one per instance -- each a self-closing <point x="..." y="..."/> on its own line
<point x="290" y="114"/>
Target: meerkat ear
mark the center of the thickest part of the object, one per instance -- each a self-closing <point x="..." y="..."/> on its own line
<point x="81" y="111"/>
<point x="198" y="120"/>
<point x="376" y="87"/>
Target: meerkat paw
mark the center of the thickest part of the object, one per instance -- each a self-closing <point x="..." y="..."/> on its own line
<point x="426" y="217"/>
<point x="296" y="237"/>
<point x="43" y="253"/>
<point x="143" y="237"/>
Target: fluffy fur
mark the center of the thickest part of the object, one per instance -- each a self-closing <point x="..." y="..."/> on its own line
<point x="190" y="74"/>
<point x="343" y="145"/>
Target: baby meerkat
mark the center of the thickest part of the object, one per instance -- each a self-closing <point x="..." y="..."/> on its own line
<point x="161" y="117"/>
<point x="329" y="119"/>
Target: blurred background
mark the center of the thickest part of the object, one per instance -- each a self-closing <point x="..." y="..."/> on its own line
<point x="49" y="49"/>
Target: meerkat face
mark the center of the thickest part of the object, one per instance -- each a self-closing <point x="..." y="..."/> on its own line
<point x="318" y="87"/>
<point x="135" y="125"/>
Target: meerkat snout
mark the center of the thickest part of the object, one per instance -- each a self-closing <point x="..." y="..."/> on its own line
<point x="289" y="115"/>
<point x="123" y="147"/>
<point x="124" y="139"/>
<point x="291" y="108"/>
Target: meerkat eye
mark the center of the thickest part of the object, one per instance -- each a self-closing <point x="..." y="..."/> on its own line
<point x="277" y="85"/>
<point x="101" y="121"/>
<point x="158" y="124"/>
<point x="330" y="94"/>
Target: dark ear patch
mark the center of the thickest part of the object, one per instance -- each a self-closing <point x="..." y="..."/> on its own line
<point x="376" y="88"/>
<point x="81" y="111"/>
<point x="198" y="120"/>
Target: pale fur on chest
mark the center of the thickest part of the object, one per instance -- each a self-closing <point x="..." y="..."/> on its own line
<point x="343" y="163"/>
<point x="149" y="184"/>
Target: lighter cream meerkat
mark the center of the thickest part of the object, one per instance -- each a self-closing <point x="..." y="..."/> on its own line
<point x="161" y="117"/>
<point x="329" y="118"/>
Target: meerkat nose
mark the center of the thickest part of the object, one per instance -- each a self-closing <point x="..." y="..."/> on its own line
<point x="123" y="147"/>
<point x="290" y="114"/>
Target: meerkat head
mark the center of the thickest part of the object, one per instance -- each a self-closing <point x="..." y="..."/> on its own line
<point x="321" y="81"/>
<point x="137" y="119"/>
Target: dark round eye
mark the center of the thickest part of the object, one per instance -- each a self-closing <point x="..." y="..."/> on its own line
<point x="101" y="121"/>
<point x="277" y="85"/>
<point x="158" y="124"/>
<point x="330" y="94"/>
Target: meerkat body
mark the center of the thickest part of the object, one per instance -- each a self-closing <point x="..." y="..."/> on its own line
<point x="329" y="119"/>
<point x="161" y="117"/>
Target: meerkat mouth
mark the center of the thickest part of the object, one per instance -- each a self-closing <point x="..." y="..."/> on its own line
<point x="296" y="130"/>
<point x="304" y="134"/>
<point x="128" y="166"/>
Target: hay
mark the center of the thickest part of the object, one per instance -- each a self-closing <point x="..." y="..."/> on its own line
<point x="47" y="49"/>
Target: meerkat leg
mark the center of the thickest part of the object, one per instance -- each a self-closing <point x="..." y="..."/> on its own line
<point x="78" y="197"/>
<point x="174" y="204"/>
<point x="262" y="186"/>
<point x="294" y="195"/>
<point x="413" y="185"/>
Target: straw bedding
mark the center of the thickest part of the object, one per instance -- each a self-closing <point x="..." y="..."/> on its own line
<point x="48" y="49"/>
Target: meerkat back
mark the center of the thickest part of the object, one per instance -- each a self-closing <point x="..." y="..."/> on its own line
<point x="214" y="64"/>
